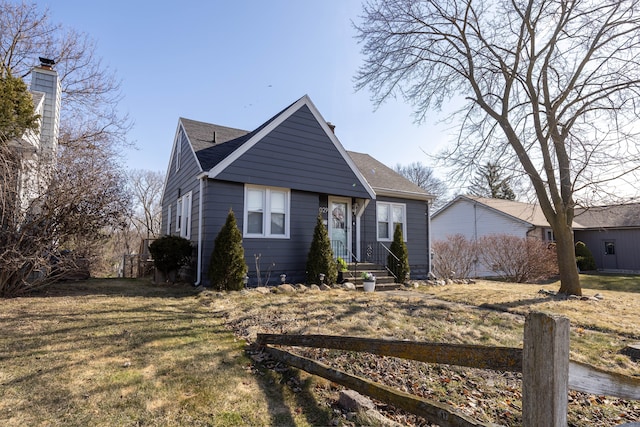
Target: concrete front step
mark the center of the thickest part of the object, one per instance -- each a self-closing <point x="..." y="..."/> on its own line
<point x="354" y="274"/>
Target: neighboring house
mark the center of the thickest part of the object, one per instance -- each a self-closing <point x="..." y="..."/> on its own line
<point x="37" y="149"/>
<point x="276" y="179"/>
<point x="611" y="232"/>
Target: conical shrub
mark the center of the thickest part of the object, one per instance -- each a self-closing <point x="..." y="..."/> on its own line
<point x="227" y="267"/>
<point x="320" y="258"/>
<point x="399" y="266"/>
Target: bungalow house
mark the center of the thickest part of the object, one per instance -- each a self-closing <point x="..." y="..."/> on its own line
<point x="611" y="232"/>
<point x="276" y="179"/>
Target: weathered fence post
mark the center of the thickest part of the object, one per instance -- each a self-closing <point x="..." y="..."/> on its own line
<point x="545" y="371"/>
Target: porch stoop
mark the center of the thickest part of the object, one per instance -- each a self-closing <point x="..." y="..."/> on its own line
<point x="384" y="280"/>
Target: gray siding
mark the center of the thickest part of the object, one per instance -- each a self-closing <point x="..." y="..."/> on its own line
<point x="180" y="182"/>
<point x="297" y="155"/>
<point x="277" y="256"/>
<point x="417" y="238"/>
<point x="627" y="244"/>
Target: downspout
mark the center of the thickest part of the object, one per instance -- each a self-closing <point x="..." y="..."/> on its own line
<point x="430" y="257"/>
<point x="475" y="236"/>
<point x="199" y="260"/>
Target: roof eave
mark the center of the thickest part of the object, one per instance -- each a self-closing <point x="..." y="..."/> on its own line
<point x="390" y="192"/>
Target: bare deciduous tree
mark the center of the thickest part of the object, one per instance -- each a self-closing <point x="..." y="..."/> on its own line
<point x="80" y="197"/>
<point x="146" y="191"/>
<point x="423" y="177"/>
<point x="549" y="87"/>
<point x="90" y="90"/>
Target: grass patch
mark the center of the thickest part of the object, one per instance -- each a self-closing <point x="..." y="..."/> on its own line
<point x="118" y="352"/>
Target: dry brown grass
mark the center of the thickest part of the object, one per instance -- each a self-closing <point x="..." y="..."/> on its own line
<point x="116" y="352"/>
<point x="127" y="353"/>
<point x="599" y="328"/>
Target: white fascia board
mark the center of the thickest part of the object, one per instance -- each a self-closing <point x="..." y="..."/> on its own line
<point x="173" y="151"/>
<point x="305" y="100"/>
<point x="389" y="192"/>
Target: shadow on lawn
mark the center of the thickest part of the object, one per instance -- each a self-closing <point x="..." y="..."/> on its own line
<point x="116" y="287"/>
<point x="278" y="380"/>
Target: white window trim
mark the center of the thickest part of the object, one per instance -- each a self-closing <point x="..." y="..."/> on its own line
<point x="266" y="217"/>
<point x="179" y="214"/>
<point x="169" y="220"/>
<point x="390" y="206"/>
<point x="186" y="201"/>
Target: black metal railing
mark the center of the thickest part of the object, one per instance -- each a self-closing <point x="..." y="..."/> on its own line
<point x="377" y="253"/>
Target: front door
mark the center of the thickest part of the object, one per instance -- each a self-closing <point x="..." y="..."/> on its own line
<point x="339" y="227"/>
<point x="609" y="259"/>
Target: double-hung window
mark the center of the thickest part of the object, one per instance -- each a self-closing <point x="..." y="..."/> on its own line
<point x="183" y="216"/>
<point x="388" y="215"/>
<point x="266" y="212"/>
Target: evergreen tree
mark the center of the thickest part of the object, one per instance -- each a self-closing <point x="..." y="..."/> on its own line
<point x="16" y="108"/>
<point x="584" y="257"/>
<point x="489" y="182"/>
<point x="320" y="258"/>
<point x="170" y="253"/>
<point x="399" y="267"/>
<point x="227" y="267"/>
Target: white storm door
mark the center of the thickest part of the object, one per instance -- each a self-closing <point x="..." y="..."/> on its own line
<point x="340" y="227"/>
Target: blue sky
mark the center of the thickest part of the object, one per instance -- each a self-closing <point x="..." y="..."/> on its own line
<point x="237" y="63"/>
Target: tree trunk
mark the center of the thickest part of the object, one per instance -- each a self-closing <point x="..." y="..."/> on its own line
<point x="565" y="250"/>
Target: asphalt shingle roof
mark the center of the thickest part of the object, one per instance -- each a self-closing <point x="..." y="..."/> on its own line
<point x="614" y="216"/>
<point x="384" y="179"/>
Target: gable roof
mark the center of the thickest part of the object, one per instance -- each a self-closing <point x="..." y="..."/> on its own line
<point x="597" y="217"/>
<point x="214" y="156"/>
<point x="613" y="216"/>
<point x="527" y="213"/>
<point x="385" y="181"/>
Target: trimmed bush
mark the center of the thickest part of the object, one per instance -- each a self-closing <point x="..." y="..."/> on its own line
<point x="518" y="259"/>
<point x="227" y="266"/>
<point x="320" y="258"/>
<point x="454" y="257"/>
<point x="170" y="253"/>
<point x="399" y="267"/>
<point x="584" y="257"/>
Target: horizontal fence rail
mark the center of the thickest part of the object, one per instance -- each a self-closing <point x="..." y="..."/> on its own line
<point x="547" y="377"/>
<point x="475" y="356"/>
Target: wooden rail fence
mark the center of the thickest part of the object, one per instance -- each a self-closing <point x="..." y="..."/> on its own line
<point x="547" y="372"/>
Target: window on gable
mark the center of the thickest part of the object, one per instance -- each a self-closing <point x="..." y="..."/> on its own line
<point x="179" y="214"/>
<point x="388" y="215"/>
<point x="183" y="216"/>
<point x="169" y="220"/>
<point x="185" y="230"/>
<point x="266" y="212"/>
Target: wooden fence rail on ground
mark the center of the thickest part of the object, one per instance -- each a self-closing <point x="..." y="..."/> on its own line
<point x="544" y="362"/>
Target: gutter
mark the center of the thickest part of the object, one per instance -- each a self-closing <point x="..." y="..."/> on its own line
<point x="201" y="179"/>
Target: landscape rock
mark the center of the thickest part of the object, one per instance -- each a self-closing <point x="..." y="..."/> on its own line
<point x="301" y="287"/>
<point x="325" y="287"/>
<point x="314" y="288"/>
<point x="262" y="290"/>
<point x="349" y="286"/>
<point x="351" y="400"/>
<point x="286" y="288"/>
